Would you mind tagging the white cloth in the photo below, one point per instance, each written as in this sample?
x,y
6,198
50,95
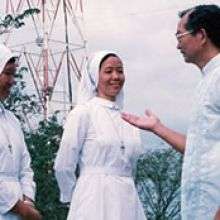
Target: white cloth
x,y
5,56
16,176
201,168
105,189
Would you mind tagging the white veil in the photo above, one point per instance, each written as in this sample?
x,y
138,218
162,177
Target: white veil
x,y
90,78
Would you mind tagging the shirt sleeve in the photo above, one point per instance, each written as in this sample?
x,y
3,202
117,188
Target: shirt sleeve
x,y
28,185
75,130
215,91
26,175
8,196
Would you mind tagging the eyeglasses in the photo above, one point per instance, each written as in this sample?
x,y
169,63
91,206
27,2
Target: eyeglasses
x,y
180,35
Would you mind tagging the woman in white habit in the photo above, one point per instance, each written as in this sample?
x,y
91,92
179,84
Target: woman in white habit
x,y
103,145
17,187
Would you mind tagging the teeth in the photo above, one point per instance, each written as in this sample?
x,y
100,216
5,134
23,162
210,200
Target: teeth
x,y
115,84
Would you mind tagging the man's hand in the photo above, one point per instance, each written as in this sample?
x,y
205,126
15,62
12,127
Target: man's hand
x,y
26,212
151,122
147,122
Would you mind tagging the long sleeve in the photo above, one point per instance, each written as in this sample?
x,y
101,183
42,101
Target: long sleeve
x,y
28,185
8,196
215,91
68,154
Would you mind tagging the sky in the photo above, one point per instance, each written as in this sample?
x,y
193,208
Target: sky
x,y
142,32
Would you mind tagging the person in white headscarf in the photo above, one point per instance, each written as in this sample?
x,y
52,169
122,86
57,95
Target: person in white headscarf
x,y
103,146
17,188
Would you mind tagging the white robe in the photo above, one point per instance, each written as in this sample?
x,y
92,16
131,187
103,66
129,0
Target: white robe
x,y
16,176
105,189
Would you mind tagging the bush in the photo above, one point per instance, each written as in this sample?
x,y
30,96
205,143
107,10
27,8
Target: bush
x,y
158,180
43,145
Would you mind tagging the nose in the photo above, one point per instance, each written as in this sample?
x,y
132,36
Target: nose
x,y
178,46
115,74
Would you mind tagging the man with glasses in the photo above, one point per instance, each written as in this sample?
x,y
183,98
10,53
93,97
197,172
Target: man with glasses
x,y
198,36
17,188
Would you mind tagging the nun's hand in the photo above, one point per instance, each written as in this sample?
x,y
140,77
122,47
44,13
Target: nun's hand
x,y
26,212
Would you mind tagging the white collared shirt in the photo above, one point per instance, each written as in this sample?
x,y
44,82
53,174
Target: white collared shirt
x,y
201,168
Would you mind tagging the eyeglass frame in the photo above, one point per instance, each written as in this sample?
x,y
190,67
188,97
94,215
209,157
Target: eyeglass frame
x,y
180,35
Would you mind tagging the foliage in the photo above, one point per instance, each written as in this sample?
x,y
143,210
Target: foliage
x,y
24,106
43,145
158,179
10,21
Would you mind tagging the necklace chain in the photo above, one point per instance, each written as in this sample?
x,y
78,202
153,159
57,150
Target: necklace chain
x,y
117,131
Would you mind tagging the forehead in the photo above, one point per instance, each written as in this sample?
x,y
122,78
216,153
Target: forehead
x,y
182,23
10,67
112,61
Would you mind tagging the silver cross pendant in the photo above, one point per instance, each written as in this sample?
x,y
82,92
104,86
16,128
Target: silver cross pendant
x,y
10,148
122,147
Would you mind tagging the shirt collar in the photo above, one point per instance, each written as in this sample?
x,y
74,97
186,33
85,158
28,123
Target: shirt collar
x,y
106,103
211,65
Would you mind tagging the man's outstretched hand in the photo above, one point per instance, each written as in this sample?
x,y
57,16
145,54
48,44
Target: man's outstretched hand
x,y
147,122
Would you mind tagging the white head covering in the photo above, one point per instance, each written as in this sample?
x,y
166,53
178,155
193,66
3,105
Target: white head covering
x,y
90,78
5,56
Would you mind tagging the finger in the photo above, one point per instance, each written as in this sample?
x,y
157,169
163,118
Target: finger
x,y
125,115
148,112
128,117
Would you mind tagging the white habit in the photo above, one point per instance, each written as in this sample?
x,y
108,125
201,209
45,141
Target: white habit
x,y
105,189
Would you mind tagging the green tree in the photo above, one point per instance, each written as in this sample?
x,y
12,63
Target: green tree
x,y
158,179
43,145
10,21
25,106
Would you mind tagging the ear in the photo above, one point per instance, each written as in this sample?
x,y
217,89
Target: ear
x,y
203,36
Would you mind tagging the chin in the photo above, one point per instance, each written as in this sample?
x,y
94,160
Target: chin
x,y
5,95
187,60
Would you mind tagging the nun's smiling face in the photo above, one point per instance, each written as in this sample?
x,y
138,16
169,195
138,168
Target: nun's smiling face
x,y
111,78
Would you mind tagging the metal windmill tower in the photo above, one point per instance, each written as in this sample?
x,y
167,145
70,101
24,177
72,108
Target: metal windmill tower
x,y
53,48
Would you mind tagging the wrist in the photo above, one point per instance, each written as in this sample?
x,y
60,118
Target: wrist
x,y
156,129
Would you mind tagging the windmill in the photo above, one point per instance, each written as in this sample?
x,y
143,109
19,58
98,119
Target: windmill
x,y
53,47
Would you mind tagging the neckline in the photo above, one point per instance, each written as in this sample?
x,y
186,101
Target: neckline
x,y
211,65
106,103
